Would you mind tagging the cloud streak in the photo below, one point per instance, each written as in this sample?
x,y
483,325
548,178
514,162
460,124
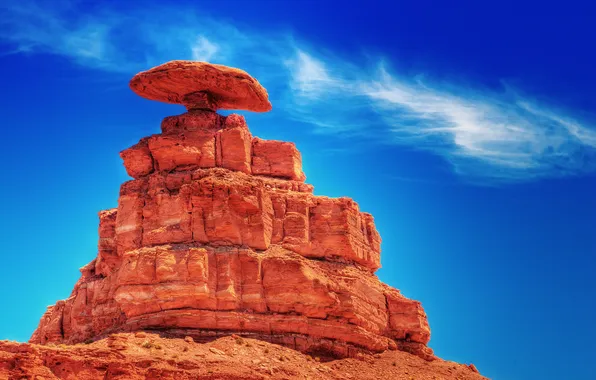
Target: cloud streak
x,y
487,136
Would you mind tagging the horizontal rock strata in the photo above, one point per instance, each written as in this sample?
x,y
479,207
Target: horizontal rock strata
x,y
218,234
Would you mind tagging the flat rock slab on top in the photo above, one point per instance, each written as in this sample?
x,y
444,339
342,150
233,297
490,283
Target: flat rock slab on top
x,y
201,85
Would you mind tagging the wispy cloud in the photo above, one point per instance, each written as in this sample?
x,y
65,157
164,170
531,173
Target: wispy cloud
x,y
203,49
487,136
482,134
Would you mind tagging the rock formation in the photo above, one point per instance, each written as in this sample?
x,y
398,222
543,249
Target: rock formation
x,y
218,234
140,355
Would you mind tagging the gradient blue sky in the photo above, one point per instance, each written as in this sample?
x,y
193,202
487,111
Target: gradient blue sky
x,y
468,130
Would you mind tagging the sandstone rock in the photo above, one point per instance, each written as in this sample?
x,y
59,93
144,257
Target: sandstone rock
x,y
172,152
222,208
171,257
137,159
191,122
192,289
108,259
407,319
230,213
339,230
203,139
129,218
277,159
218,234
234,145
216,351
50,325
153,356
201,85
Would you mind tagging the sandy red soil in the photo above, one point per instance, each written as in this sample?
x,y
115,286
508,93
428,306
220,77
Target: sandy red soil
x,y
149,356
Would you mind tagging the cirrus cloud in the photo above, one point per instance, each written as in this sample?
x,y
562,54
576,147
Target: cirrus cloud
x,y
486,136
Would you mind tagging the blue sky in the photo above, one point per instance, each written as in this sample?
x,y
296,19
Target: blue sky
x,y
468,130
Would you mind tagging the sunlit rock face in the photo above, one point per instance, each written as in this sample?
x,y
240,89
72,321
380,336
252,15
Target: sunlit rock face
x,y
217,234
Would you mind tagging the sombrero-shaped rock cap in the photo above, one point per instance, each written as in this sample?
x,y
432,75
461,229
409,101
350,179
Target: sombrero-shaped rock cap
x,y
202,85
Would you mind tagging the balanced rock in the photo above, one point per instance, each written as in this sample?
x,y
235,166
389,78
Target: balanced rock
x,y
201,85
218,234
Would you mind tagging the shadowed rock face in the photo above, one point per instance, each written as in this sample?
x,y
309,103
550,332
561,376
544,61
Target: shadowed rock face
x,y
218,234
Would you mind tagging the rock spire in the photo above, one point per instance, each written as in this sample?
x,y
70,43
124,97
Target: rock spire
x,y
217,234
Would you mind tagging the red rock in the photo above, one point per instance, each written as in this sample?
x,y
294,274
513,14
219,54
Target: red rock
x,y
277,159
188,140
137,159
218,234
191,122
50,325
230,214
174,152
234,145
171,257
108,259
339,229
201,85
193,287
146,355
166,217
203,139
407,319
223,209
129,219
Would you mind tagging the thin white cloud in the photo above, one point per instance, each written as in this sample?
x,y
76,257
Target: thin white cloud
x,y
203,49
309,76
86,43
486,136
496,137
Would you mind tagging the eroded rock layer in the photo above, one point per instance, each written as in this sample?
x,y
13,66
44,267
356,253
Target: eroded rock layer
x,y
217,234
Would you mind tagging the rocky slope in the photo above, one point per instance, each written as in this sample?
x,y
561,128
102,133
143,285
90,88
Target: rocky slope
x,y
133,356
218,234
